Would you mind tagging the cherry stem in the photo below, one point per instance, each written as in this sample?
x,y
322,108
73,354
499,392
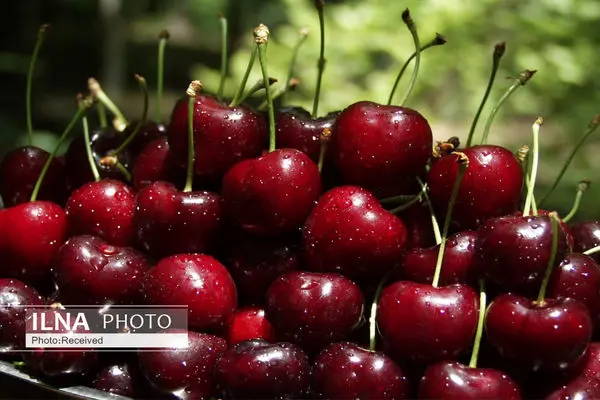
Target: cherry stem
x,y
320,4
434,223
591,251
413,31
144,88
163,38
240,92
224,57
325,136
102,115
582,187
542,293
480,321
520,81
88,149
98,93
192,92
373,314
279,93
534,167
302,35
589,130
261,38
401,198
83,106
499,50
463,164
36,51
259,85
438,40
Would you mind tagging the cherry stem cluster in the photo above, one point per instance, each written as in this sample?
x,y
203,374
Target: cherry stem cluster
x,y
101,96
163,38
302,35
534,167
582,187
261,38
407,19
237,98
480,323
144,88
320,4
224,56
259,85
41,36
553,250
192,92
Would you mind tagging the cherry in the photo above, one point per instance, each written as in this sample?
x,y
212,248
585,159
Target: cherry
x,y
256,369
490,188
88,270
426,324
148,132
155,163
15,296
453,380
552,334
313,309
249,323
185,372
417,220
123,379
458,265
345,370
20,170
104,209
197,280
585,383
586,235
349,232
168,221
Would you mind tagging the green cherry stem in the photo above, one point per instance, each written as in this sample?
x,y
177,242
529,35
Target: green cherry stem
x,y
438,40
279,93
434,223
261,38
224,56
240,92
521,80
83,106
88,149
591,251
499,50
97,92
259,85
463,164
373,314
102,115
36,51
407,19
302,35
163,38
325,136
542,293
320,5
589,130
192,91
480,322
582,187
534,166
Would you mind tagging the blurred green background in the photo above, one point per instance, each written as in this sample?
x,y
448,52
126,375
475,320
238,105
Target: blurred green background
x,y
366,44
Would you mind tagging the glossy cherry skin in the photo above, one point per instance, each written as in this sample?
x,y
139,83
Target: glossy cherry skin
x,y
348,232
14,297
578,277
249,323
313,309
256,369
417,221
87,270
458,265
197,280
585,383
586,235
168,221
148,132
156,163
223,135
296,129
425,324
453,380
20,170
491,186
553,335
30,235
381,148
272,194
124,379
347,371
189,372
514,251
104,209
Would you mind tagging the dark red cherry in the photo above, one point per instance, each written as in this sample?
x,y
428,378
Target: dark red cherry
x,y
455,381
586,235
185,372
585,382
124,379
421,323
272,194
552,335
88,270
347,371
20,170
197,280
491,186
149,132
223,135
249,323
256,369
417,220
104,209
381,148
14,297
313,309
155,163
349,232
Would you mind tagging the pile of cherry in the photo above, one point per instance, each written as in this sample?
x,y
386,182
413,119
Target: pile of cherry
x,y
308,252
